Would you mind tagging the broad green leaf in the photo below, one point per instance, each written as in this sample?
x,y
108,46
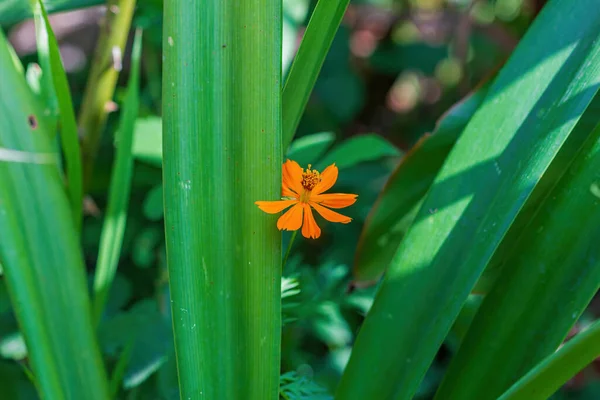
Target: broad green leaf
x,y
556,369
308,149
397,204
551,176
13,11
527,116
222,152
549,277
49,55
113,230
39,251
319,34
357,149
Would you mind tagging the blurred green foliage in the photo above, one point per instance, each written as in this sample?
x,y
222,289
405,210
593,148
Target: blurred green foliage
x,y
394,68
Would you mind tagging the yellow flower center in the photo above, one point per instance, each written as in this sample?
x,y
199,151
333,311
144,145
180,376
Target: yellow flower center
x,y
310,178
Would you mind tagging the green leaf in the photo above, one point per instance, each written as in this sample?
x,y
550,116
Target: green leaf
x,y
111,239
153,203
147,140
144,332
39,251
308,149
319,34
358,149
557,257
294,386
13,11
14,382
294,16
556,369
49,55
527,116
398,203
222,152
102,79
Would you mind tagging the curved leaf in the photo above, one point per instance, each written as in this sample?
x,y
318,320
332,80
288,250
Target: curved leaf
x,y
396,206
527,116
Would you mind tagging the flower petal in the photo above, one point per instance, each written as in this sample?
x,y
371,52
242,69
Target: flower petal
x,y
328,178
287,192
292,176
273,207
329,215
310,229
334,200
291,220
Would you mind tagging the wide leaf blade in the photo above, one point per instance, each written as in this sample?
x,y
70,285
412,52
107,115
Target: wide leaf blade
x,y
395,208
222,152
528,114
39,251
547,281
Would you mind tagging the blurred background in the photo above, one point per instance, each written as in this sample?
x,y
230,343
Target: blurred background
x,y
395,67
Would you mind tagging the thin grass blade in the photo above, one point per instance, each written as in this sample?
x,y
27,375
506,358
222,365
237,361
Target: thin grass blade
x,y
50,54
556,369
111,238
102,80
319,34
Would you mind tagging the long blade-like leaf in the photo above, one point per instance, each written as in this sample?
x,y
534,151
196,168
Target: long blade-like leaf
x,y
48,50
547,281
222,152
102,80
319,34
113,230
406,186
528,114
549,375
39,251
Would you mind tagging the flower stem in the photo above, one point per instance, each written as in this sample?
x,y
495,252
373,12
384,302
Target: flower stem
x,y
289,249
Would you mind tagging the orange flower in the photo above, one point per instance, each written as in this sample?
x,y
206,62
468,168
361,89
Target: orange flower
x,y
303,189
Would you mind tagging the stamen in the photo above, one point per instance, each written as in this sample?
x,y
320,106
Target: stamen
x,y
310,178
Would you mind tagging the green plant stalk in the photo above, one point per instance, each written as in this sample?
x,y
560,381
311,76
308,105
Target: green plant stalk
x,y
547,282
50,55
556,369
222,152
111,238
484,183
100,87
39,251
319,34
